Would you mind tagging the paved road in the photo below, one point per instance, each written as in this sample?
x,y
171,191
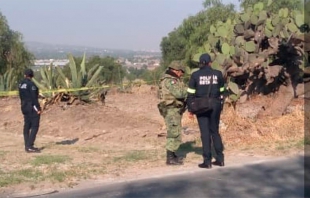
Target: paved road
x,y
278,178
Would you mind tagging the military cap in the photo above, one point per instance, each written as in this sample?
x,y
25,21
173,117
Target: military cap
x,y
28,73
205,58
177,65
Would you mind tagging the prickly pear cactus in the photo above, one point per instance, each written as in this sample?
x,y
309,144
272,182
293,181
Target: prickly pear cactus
x,y
258,51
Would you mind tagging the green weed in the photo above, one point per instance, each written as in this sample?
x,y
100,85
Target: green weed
x,y
57,175
88,149
8,179
133,156
29,173
3,153
50,159
281,147
19,176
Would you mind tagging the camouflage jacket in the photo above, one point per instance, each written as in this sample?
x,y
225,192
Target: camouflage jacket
x,y
172,91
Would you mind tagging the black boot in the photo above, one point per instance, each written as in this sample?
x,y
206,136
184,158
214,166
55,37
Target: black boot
x,y
205,164
172,160
178,158
218,163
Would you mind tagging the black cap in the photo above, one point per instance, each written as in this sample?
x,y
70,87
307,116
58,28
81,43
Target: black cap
x,y
205,58
28,73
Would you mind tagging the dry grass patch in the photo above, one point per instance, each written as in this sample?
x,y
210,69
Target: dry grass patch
x,y
89,149
245,131
238,132
133,156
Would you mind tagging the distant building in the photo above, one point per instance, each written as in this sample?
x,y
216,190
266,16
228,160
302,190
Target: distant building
x,y
48,62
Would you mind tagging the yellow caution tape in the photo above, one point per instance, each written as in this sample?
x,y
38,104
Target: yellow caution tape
x,y
8,93
15,93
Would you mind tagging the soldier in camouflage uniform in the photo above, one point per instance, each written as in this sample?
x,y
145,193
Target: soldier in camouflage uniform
x,y
172,95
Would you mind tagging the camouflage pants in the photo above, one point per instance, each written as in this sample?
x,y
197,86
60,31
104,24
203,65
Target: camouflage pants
x,y
174,129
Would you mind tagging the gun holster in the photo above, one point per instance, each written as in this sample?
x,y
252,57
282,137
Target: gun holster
x,y
183,107
162,109
182,110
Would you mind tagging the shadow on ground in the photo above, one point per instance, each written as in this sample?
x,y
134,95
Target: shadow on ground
x,y
68,142
189,147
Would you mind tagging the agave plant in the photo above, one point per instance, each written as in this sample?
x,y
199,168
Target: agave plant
x,y
7,80
80,79
80,84
49,80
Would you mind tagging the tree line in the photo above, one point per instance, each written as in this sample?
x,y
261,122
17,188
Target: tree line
x,y
15,58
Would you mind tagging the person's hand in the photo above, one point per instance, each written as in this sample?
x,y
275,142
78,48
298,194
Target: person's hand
x,y
190,115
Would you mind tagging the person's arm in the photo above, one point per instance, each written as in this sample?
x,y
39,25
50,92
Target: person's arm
x,y
221,83
175,88
19,93
222,89
34,98
191,91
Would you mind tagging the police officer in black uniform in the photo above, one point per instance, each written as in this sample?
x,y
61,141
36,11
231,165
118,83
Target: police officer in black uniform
x,y
28,93
208,122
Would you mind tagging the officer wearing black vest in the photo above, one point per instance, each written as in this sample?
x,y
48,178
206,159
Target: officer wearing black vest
x,y
30,107
198,86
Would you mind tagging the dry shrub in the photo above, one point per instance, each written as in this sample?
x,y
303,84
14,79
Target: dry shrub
x,y
244,131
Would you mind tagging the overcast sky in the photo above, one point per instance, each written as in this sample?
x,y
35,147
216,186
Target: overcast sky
x,y
117,24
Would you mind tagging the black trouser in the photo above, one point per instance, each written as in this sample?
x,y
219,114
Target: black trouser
x,y
209,129
31,127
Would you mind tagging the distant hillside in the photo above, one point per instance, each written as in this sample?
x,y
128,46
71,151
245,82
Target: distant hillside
x,y
51,51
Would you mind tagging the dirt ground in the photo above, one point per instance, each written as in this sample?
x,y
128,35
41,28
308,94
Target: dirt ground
x,y
125,139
